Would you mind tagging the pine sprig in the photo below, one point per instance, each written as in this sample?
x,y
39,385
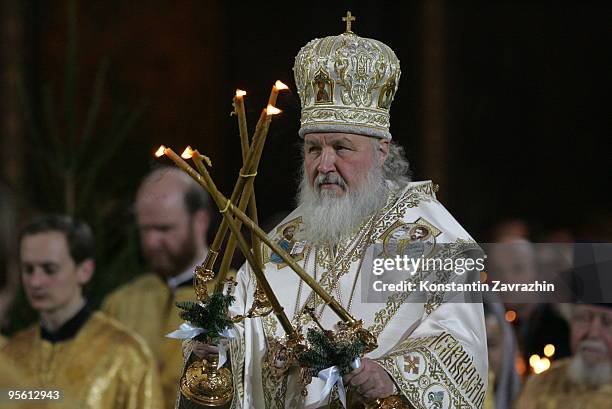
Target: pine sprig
x,y
210,315
324,352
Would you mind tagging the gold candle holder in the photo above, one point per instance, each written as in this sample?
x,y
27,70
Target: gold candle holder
x,y
203,383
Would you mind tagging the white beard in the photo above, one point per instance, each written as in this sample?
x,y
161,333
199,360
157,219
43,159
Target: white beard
x,y
593,375
329,218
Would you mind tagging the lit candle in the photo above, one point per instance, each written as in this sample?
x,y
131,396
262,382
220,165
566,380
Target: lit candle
x,y
270,111
187,153
175,158
160,151
242,123
276,88
198,158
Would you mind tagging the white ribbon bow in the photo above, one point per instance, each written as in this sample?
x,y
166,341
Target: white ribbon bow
x,y
188,331
226,333
185,331
331,376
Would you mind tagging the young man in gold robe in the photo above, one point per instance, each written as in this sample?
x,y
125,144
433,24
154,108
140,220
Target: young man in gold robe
x,y
91,360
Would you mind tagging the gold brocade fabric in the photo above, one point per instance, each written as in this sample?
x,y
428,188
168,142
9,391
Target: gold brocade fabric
x,y
554,390
12,379
102,367
147,306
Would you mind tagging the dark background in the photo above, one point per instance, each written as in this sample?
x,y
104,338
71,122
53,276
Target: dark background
x,y
504,104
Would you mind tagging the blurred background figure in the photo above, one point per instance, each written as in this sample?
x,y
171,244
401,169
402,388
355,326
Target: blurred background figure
x,y
173,216
90,358
9,273
504,381
555,257
585,379
536,325
510,229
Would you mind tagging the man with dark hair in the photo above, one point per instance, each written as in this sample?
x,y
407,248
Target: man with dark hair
x,y
172,212
90,358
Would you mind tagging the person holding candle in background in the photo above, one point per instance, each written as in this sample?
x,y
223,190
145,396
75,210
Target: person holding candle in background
x,y
355,193
93,361
173,217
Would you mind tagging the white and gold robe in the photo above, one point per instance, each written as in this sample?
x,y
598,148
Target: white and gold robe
x,y
435,352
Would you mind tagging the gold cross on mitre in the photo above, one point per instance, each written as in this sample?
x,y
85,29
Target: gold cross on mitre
x,y
349,19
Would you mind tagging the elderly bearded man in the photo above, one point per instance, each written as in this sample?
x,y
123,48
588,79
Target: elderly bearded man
x,y
355,200
585,380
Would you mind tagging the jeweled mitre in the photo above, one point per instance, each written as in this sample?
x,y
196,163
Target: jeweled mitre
x,y
346,84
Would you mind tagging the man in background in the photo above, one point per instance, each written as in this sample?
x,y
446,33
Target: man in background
x,y
88,358
172,213
514,261
585,379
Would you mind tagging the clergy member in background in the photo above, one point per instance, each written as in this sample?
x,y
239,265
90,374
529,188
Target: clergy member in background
x,y
585,380
93,361
172,212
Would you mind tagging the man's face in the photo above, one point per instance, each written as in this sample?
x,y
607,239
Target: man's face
x,y
166,230
591,333
289,232
50,277
337,162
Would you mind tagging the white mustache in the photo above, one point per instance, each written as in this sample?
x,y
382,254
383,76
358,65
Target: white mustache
x,y
332,178
596,344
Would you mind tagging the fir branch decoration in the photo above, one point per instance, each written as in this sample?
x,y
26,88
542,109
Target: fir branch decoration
x,y
324,351
211,315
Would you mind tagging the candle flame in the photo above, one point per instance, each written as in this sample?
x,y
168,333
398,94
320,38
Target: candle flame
x,y
272,110
549,350
539,365
161,151
187,153
280,86
510,316
240,93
